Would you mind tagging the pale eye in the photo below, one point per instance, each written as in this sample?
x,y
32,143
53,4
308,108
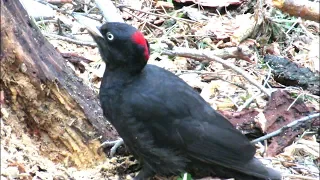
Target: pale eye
x,y
110,36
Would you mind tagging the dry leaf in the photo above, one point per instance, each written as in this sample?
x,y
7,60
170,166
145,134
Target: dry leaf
x,y
164,4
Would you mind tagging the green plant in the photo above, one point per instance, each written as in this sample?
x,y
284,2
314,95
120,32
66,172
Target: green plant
x,y
185,176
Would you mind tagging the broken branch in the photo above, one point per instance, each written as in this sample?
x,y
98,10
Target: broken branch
x,y
290,125
206,55
55,36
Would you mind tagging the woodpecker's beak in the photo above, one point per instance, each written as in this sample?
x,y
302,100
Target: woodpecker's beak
x,y
94,31
99,39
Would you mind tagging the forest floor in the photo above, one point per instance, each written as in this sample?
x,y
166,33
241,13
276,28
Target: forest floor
x,y
275,49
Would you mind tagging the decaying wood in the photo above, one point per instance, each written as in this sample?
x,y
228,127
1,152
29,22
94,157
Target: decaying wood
x,y
301,8
43,93
289,73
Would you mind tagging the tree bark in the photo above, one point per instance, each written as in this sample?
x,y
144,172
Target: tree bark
x,y
45,96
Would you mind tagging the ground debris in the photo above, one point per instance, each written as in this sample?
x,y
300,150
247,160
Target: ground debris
x,y
21,159
210,29
244,121
290,74
281,110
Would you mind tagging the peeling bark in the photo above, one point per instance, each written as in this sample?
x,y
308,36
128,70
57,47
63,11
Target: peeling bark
x,y
44,94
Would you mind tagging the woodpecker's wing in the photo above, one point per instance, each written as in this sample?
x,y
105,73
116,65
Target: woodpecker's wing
x,y
179,118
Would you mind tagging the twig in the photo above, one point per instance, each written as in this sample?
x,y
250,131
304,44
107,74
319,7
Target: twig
x,y
299,90
180,72
46,21
90,44
159,15
233,101
144,20
203,55
265,147
290,125
230,52
109,11
88,16
294,101
235,52
269,74
292,26
309,34
248,102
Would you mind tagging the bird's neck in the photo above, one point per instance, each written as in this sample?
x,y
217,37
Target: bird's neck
x,y
116,78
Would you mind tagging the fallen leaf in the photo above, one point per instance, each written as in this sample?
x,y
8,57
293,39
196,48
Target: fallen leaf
x,y
164,4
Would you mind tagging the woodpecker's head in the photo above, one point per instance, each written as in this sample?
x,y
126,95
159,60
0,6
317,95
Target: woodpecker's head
x,y
122,46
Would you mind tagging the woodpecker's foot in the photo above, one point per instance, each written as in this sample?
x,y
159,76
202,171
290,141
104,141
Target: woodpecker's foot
x,y
115,145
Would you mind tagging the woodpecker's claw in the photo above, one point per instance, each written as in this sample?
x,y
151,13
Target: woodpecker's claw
x,y
115,145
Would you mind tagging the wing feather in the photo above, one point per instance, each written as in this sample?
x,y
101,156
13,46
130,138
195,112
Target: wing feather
x,y
184,121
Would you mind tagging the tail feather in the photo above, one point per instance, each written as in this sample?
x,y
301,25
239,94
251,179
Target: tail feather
x,y
257,169
252,170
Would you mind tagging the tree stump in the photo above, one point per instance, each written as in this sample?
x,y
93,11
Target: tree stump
x,y
42,96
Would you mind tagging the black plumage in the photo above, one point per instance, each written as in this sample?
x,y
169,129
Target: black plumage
x,y
164,123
